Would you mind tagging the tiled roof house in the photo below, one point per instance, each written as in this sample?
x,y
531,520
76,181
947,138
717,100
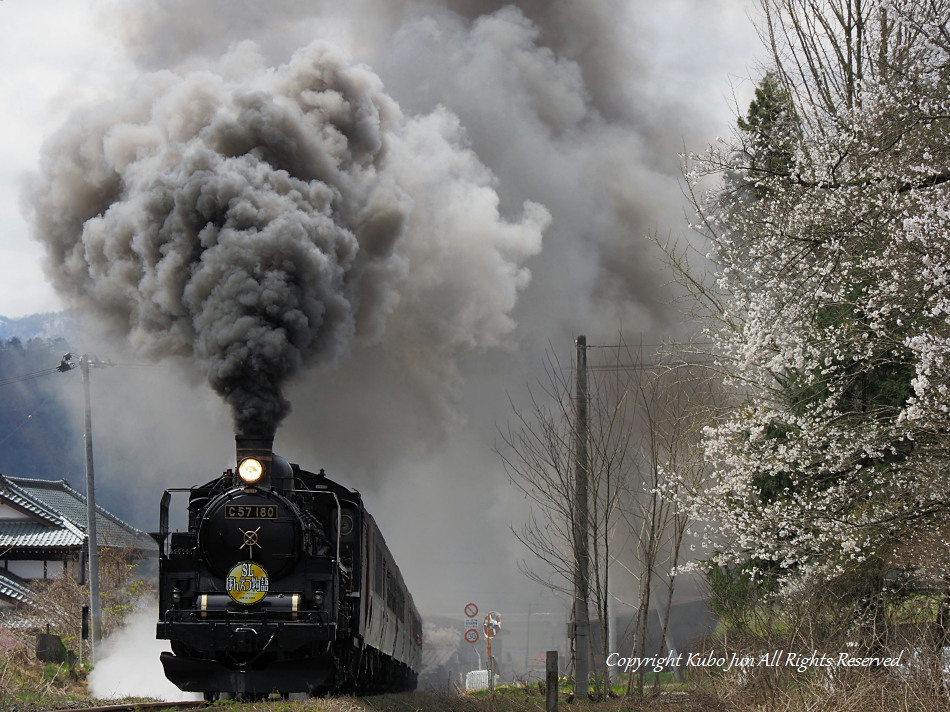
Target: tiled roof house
x,y
43,535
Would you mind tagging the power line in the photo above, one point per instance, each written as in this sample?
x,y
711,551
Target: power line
x,y
64,366
644,366
646,346
17,428
11,380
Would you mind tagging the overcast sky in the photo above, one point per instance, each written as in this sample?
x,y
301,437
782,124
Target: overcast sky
x,y
53,57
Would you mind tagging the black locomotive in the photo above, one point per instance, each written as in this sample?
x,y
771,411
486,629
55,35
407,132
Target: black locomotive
x,y
283,584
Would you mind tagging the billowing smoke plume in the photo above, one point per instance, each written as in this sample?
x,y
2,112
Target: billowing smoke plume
x,y
581,107
258,220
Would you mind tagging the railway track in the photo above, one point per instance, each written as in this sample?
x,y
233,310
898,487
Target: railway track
x,y
142,707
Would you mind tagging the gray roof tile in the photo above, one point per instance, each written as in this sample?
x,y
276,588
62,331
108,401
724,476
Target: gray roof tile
x,y
61,506
14,588
35,535
18,500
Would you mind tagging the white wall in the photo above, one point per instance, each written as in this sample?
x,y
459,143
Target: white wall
x,y
33,569
12,513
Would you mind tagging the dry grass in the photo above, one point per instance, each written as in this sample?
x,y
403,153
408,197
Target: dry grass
x,y
878,695
847,690
409,702
26,684
855,691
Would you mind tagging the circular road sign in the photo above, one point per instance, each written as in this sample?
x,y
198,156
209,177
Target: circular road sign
x,y
471,635
471,610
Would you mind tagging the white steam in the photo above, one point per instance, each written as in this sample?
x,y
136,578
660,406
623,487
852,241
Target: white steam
x,y
129,665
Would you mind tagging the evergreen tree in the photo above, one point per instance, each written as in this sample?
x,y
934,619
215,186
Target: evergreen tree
x,y
768,138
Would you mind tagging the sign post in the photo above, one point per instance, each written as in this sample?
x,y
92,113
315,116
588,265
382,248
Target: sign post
x,y
471,634
491,627
550,668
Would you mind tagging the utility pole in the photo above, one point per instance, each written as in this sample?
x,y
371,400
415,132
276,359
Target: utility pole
x,y
581,549
92,541
95,612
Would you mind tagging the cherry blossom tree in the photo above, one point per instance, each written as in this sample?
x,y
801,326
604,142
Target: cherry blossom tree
x,y
829,240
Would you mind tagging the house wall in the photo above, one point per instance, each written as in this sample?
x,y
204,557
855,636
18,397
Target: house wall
x,y
33,569
12,514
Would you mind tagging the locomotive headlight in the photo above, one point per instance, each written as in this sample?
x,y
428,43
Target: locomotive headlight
x,y
250,470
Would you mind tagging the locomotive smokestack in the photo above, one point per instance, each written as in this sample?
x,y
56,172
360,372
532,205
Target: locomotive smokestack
x,y
256,445
274,472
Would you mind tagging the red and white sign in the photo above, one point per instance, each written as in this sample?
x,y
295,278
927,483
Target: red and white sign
x,y
471,610
492,624
471,635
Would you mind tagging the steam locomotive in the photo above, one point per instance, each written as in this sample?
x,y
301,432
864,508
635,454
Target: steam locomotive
x,y
283,584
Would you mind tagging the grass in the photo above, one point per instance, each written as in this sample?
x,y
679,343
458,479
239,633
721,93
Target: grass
x,y
27,686
24,681
805,697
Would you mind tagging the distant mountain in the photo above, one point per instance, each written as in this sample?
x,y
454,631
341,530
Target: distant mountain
x,y
53,325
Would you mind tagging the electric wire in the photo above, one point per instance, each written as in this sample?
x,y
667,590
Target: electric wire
x,y
17,428
23,377
642,365
10,380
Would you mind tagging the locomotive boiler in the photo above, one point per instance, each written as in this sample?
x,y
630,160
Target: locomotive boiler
x,y
282,583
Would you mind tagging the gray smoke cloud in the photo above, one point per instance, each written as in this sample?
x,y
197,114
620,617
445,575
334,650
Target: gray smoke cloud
x,y
487,111
258,220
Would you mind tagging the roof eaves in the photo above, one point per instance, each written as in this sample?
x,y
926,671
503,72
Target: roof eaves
x,y
100,511
24,501
15,588
69,519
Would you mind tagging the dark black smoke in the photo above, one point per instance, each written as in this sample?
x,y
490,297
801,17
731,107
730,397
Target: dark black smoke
x,y
250,217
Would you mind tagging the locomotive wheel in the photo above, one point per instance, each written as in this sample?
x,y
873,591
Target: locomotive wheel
x,y
215,696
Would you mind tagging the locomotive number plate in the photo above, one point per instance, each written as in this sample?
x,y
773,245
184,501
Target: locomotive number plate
x,y
250,511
